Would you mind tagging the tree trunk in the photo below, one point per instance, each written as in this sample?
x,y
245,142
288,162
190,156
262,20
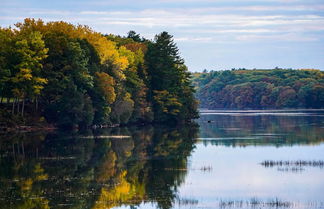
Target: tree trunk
x,y
36,99
23,149
13,151
13,107
18,149
1,100
17,106
23,107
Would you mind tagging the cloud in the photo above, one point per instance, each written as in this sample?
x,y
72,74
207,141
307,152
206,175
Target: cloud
x,y
287,37
193,39
206,29
113,13
257,22
49,12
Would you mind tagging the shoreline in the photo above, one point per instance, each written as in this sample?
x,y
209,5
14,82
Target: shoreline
x,y
50,128
26,129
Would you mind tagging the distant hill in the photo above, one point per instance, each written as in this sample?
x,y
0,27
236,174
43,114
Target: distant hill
x,y
260,89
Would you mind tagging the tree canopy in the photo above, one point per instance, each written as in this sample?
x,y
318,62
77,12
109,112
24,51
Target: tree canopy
x,y
74,76
277,88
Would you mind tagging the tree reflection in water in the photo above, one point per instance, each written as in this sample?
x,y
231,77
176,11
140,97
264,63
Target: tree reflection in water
x,y
261,130
90,170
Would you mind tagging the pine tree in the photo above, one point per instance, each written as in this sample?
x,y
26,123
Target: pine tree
x,y
170,87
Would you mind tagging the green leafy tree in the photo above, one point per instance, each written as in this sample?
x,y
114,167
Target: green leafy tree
x,y
6,50
29,51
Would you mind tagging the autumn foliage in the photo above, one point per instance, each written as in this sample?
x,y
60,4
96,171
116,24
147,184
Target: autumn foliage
x,y
74,76
261,89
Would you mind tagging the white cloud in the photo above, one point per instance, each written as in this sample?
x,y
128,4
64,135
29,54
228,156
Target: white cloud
x,y
49,12
288,37
194,39
114,13
199,22
235,26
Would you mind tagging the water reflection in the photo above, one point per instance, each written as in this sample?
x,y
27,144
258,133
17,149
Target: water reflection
x,y
244,130
230,162
60,170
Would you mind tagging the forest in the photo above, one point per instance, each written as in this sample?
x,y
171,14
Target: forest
x,y
71,76
260,89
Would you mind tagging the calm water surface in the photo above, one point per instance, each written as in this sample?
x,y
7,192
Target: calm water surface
x,y
234,159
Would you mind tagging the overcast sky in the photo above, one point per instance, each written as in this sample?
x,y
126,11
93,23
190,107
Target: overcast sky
x,y
211,34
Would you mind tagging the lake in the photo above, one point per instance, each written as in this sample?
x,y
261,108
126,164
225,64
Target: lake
x,y
229,159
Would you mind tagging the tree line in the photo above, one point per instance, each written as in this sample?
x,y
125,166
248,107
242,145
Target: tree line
x,y
70,75
261,89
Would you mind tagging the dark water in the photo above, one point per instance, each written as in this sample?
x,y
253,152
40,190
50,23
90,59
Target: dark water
x,y
234,160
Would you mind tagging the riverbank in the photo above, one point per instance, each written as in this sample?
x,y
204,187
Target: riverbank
x,y
30,123
27,123
4,130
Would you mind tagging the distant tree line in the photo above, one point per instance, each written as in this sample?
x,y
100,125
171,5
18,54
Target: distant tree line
x,y
262,89
73,76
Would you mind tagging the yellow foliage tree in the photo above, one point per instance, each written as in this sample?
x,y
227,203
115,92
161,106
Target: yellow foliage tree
x,y
106,85
30,51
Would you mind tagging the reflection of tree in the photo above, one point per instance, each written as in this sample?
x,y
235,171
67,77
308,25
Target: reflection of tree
x,y
166,171
147,167
262,130
69,171
21,175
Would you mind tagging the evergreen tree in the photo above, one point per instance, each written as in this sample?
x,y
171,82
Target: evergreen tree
x,y
169,84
